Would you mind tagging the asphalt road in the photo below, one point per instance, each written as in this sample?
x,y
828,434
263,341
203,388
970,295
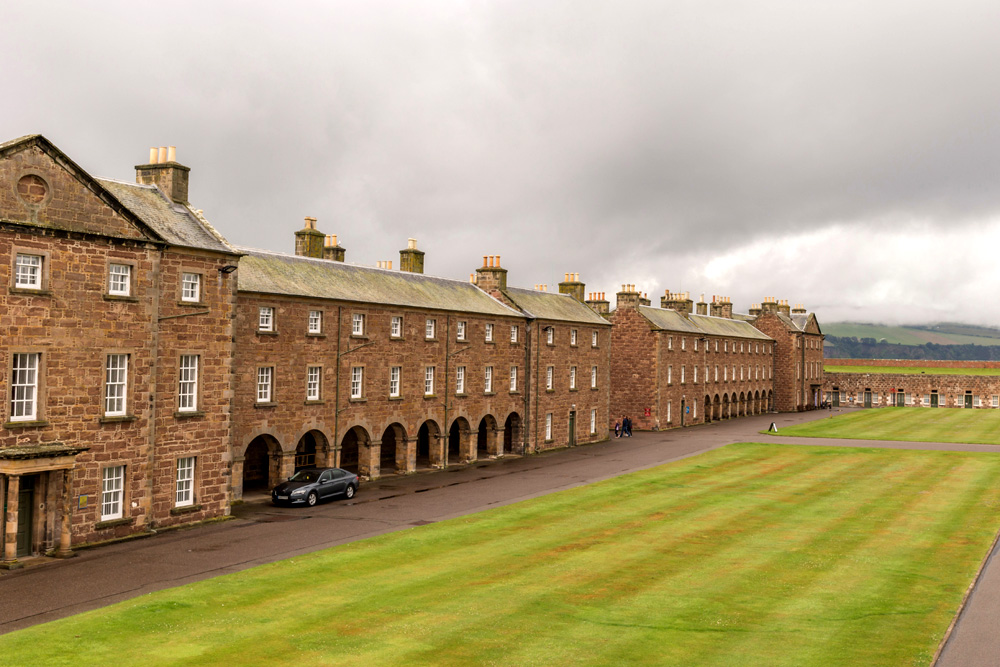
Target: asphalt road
x,y
261,533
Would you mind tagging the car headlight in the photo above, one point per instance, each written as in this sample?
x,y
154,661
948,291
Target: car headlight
x,y
299,492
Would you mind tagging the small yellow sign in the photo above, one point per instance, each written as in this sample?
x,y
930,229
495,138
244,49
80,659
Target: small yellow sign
x,y
83,502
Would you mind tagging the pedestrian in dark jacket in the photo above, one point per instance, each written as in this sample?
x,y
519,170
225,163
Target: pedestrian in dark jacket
x,y
617,426
627,427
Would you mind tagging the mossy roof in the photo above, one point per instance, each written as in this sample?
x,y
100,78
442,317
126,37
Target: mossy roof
x,y
553,306
267,272
664,319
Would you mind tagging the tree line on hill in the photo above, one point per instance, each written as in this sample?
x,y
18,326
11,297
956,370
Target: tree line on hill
x,y
852,347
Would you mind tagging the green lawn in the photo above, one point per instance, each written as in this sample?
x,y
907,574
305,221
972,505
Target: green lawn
x,y
910,370
913,424
751,554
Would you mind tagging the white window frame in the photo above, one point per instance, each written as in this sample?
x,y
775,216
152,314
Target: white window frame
x,y
429,381
995,401
460,379
593,339
395,373
265,318
25,371
184,488
572,337
265,383
593,377
357,381
489,332
460,330
593,421
28,271
572,377
191,287
548,426
315,321
488,380
187,391
396,326
357,324
670,342
112,492
549,377
683,343
120,279
694,378
670,374
430,329
513,378
115,385
550,336
513,333
314,379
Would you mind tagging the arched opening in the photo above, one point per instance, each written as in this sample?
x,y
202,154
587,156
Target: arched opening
x,y
428,434
756,402
350,449
393,439
486,437
717,408
770,401
261,463
742,412
511,433
305,452
725,406
458,436
708,409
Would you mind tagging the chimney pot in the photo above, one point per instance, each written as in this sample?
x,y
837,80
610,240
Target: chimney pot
x,y
171,153
152,155
484,261
411,244
161,155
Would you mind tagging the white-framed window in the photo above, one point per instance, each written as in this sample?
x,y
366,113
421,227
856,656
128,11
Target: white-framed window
x,y
488,380
695,377
184,495
513,333
429,381
313,375
682,372
357,381
549,373
995,401
24,387
593,377
694,409
593,339
670,342
593,421
977,402
670,374
548,426
683,343
358,324
430,328
191,287
265,378
394,375
550,335
572,337
572,377
925,400
734,372
115,384
741,347
265,318
396,326
460,380
315,321
716,346
28,271
120,279
489,333
725,373
187,392
112,486
668,412
725,346
460,330
513,378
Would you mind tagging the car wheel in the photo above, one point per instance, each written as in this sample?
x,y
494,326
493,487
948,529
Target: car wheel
x,y
311,498
349,493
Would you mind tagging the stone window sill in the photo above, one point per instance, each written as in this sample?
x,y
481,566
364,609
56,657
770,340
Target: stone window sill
x,y
431,340
460,394
489,393
395,398
121,297
192,304
265,404
397,338
189,413
514,392
316,402
573,389
186,509
360,399
266,333
113,523
29,290
26,424
313,334
550,391
430,396
116,419
359,336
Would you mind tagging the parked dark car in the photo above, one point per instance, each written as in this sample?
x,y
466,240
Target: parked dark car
x,y
310,485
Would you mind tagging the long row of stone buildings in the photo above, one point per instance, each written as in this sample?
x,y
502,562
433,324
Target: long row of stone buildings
x,y
152,371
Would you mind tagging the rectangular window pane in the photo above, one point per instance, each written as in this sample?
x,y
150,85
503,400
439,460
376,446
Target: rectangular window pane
x,y
394,373
358,325
572,377
185,482
265,320
513,378
460,380
28,271
190,287
548,378
572,336
548,426
312,383
120,279
593,421
115,384
111,492
460,331
315,321
264,377
429,329
593,377
24,387
488,387
489,333
396,330
187,395
357,379
513,334
429,381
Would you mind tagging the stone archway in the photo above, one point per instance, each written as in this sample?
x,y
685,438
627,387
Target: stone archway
x,y
310,452
512,433
393,450
428,445
261,464
486,438
354,451
742,411
708,409
459,446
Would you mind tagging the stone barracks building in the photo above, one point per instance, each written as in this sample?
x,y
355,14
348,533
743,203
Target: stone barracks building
x,y
895,388
151,372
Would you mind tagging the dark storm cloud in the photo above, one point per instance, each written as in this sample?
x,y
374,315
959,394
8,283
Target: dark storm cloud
x,y
630,142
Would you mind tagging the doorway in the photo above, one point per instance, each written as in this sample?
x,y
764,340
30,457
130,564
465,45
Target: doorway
x,y
25,516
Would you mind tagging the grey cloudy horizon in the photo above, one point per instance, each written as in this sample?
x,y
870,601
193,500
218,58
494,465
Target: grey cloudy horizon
x,y
840,155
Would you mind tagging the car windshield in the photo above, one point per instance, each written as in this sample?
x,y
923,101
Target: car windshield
x,y
305,476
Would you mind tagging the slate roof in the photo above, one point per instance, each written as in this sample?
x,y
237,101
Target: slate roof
x,y
553,306
671,320
277,273
174,223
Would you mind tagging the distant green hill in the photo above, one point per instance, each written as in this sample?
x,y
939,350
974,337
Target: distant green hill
x,y
947,333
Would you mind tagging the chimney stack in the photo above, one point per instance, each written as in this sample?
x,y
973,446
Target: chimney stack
x,y
679,301
411,260
309,240
572,286
627,298
164,172
799,309
598,303
755,310
722,306
332,250
784,308
490,277
702,307
769,305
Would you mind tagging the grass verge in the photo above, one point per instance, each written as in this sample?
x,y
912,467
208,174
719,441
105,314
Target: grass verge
x,y
910,370
751,554
908,424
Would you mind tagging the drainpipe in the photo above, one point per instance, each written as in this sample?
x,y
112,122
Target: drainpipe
x,y
447,347
527,387
336,397
153,377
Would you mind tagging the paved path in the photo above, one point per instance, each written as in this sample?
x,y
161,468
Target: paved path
x,y
262,534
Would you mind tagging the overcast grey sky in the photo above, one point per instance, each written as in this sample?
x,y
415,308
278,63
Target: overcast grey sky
x,y
839,154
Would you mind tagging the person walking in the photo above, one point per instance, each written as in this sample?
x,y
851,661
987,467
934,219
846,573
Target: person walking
x,y
627,426
617,426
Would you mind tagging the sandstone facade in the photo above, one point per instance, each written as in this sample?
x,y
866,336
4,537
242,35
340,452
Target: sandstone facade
x,y
913,389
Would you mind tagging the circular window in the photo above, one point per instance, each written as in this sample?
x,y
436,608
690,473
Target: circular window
x,y
32,189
